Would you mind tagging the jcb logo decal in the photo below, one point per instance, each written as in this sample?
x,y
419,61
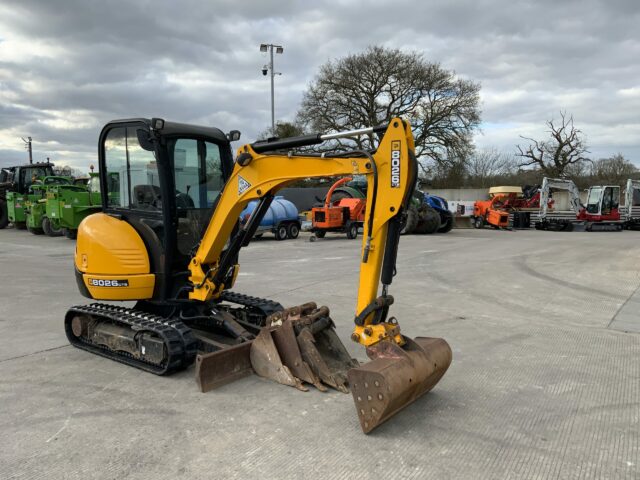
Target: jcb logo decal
x,y
395,164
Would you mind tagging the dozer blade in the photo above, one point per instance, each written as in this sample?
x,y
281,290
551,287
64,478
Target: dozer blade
x,y
223,366
396,377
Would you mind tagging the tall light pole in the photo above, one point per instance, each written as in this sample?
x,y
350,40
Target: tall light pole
x,y
27,145
268,47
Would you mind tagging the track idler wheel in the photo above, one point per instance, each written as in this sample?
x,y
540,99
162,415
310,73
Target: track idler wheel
x,y
396,377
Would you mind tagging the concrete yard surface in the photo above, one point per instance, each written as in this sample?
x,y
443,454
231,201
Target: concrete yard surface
x,y
542,384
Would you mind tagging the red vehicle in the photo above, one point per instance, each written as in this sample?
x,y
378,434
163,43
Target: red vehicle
x,y
602,209
344,216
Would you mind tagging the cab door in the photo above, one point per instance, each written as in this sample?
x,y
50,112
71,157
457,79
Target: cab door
x,y
610,200
133,184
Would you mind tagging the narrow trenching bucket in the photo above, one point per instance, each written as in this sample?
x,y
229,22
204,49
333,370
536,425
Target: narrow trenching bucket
x,y
301,345
396,377
267,362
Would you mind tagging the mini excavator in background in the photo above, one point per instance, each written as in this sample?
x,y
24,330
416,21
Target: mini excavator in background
x,y
169,239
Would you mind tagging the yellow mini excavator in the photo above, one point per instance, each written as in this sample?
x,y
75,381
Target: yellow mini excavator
x,y
169,239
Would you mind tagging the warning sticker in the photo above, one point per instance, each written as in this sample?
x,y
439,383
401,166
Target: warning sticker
x,y
243,185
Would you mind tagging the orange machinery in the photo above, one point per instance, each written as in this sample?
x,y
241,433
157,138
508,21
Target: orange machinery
x,y
495,211
345,215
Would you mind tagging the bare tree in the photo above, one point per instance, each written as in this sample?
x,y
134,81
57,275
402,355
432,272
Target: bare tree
x,y
566,146
370,88
487,165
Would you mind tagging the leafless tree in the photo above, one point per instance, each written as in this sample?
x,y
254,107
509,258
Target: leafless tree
x,y
565,147
370,88
485,166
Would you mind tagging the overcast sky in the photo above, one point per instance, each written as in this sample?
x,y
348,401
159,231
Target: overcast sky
x,y
69,66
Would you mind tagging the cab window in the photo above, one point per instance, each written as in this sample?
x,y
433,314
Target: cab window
x,y
131,172
197,173
198,177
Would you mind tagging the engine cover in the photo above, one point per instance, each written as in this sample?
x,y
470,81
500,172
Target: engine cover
x,y
112,260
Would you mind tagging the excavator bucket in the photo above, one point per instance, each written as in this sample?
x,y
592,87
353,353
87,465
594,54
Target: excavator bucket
x,y
396,377
266,360
300,345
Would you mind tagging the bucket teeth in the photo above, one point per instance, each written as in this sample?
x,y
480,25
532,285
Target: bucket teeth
x,y
396,376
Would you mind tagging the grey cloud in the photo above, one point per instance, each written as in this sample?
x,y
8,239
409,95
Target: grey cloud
x,y
199,62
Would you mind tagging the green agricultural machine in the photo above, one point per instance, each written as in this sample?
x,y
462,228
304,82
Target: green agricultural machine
x,y
36,205
15,183
68,205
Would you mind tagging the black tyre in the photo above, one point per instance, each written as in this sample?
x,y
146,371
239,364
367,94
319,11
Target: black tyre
x,y
20,225
352,231
479,222
320,233
293,230
281,232
429,222
46,226
70,234
49,229
4,214
35,230
569,227
448,225
410,223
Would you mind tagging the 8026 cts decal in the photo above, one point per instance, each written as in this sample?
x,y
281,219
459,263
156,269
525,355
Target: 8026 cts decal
x,y
395,164
98,282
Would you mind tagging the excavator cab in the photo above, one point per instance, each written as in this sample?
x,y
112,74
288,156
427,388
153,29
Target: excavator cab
x,y
164,186
602,211
602,200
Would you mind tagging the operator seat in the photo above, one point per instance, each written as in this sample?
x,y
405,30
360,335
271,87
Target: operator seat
x,y
147,197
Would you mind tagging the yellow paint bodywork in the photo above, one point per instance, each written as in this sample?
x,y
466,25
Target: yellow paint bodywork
x,y
110,249
271,172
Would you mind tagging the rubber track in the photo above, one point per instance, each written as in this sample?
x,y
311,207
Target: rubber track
x,y
180,344
266,306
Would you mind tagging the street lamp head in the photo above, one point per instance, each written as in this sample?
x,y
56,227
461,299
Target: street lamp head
x,y
264,47
279,49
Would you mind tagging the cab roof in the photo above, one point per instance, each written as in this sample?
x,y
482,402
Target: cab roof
x,y
180,129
